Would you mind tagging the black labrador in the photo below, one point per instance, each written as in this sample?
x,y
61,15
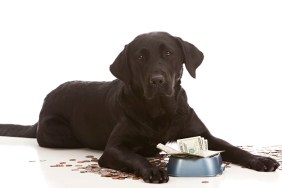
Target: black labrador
x,y
129,116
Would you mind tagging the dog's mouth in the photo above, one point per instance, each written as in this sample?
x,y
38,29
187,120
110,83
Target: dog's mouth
x,y
153,94
164,90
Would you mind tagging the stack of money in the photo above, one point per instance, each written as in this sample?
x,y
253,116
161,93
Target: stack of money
x,y
193,146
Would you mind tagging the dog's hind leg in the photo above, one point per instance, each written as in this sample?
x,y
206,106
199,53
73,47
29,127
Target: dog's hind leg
x,y
55,132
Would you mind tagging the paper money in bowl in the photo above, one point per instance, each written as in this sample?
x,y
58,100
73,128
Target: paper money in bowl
x,y
200,162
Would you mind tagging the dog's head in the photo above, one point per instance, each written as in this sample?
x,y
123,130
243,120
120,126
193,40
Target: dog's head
x,y
152,63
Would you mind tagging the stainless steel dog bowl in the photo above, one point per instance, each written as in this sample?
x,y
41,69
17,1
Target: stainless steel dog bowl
x,y
195,167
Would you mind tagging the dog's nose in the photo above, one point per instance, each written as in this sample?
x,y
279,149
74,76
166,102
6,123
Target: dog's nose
x,y
157,80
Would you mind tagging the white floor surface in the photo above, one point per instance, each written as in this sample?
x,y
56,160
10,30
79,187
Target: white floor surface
x,y
24,164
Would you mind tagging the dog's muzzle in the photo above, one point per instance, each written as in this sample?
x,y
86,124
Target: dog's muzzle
x,y
157,80
158,85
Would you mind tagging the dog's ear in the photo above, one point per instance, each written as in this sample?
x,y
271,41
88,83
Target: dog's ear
x,y
120,68
193,57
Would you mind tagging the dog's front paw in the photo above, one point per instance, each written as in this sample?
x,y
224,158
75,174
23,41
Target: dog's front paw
x,y
260,163
153,175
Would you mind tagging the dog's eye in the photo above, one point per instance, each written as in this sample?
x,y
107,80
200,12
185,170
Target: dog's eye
x,y
167,53
140,57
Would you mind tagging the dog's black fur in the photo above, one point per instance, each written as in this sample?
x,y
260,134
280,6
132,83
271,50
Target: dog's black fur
x,y
129,116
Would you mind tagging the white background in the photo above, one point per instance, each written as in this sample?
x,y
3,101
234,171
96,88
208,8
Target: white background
x,y
237,92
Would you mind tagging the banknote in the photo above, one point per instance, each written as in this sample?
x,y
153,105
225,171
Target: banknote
x,y
193,146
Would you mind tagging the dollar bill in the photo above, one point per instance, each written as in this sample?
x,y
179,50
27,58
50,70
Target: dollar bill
x,y
168,149
193,146
205,145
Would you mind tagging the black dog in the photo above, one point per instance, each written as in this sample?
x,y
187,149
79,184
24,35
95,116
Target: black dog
x,y
129,116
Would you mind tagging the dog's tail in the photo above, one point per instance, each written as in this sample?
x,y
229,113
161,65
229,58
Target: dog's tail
x,y
27,131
